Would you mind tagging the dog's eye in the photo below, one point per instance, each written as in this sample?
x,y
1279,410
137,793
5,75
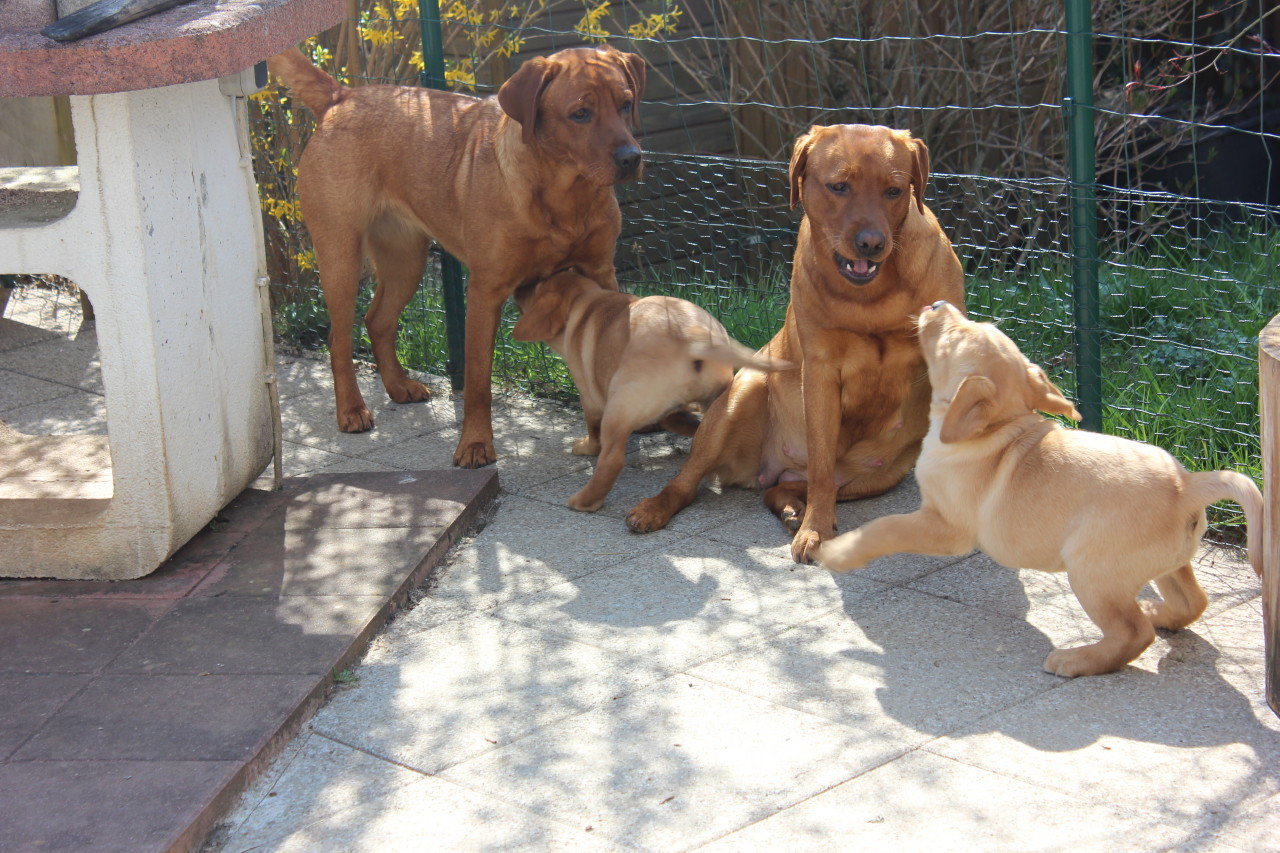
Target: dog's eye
x,y
625,109
839,188
581,115
893,192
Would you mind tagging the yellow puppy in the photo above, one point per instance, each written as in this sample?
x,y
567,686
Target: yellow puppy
x,y
1113,514
635,361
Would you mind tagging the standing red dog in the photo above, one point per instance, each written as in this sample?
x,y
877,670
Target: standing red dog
x,y
515,186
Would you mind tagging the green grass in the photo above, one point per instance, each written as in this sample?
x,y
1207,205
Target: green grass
x,y
1179,339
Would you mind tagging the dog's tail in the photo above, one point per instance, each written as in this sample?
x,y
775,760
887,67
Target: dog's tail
x,y
733,353
1208,487
313,87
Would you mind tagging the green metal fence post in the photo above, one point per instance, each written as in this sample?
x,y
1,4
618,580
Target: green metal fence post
x,y
455,304
1078,107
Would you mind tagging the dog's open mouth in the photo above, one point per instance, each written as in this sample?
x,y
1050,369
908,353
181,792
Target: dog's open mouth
x,y
859,271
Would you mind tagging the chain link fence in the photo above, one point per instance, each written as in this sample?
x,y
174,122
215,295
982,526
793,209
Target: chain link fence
x,y
1186,145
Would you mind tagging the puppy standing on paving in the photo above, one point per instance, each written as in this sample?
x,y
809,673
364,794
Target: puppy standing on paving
x,y
1113,514
515,186
636,361
848,423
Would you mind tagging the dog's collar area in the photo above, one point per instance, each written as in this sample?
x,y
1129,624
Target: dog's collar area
x,y
860,271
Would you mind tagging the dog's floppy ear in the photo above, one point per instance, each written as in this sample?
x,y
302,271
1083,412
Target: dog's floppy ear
x,y
543,318
634,66
970,410
799,159
519,96
919,170
1044,396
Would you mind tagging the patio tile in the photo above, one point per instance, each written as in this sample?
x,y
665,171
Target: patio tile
x,y
672,766
679,611
898,667
242,634
519,553
106,806
475,684
29,701
422,817
174,718
43,635
922,802
1133,726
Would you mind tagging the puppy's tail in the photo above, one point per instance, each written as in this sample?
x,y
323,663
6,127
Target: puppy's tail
x,y
734,354
313,87
1208,487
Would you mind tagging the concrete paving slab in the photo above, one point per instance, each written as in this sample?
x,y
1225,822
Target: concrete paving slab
x,y
108,806
1199,721
529,546
70,361
475,685
899,667
16,327
672,766
17,390
967,809
425,816
693,602
313,779
71,413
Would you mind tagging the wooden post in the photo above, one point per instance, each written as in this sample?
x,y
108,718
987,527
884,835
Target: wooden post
x,y
1269,388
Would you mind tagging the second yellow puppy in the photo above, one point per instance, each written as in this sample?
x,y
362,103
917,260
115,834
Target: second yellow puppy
x,y
636,361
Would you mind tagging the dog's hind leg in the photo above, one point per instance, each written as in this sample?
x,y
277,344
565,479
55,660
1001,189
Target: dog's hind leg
x,y
1126,630
787,501
1184,600
399,255
729,431
615,429
338,260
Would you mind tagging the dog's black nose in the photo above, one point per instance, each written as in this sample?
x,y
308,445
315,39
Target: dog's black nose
x,y
939,303
627,158
870,243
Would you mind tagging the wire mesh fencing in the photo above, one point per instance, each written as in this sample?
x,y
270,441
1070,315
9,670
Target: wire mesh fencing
x,y
1187,179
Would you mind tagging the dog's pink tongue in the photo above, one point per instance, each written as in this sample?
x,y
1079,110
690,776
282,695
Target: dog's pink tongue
x,y
861,267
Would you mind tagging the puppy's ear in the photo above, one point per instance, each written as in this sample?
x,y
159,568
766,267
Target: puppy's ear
x,y
519,96
970,411
919,170
543,319
799,160
1044,396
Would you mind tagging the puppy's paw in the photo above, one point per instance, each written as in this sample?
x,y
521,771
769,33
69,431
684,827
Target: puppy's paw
x,y
804,547
585,504
841,554
647,516
1082,660
355,419
410,391
474,454
586,446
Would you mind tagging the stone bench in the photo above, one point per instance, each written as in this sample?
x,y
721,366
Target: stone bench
x,y
165,236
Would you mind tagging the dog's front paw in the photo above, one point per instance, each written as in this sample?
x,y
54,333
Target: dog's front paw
x,y
474,454
804,547
411,391
647,516
355,419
